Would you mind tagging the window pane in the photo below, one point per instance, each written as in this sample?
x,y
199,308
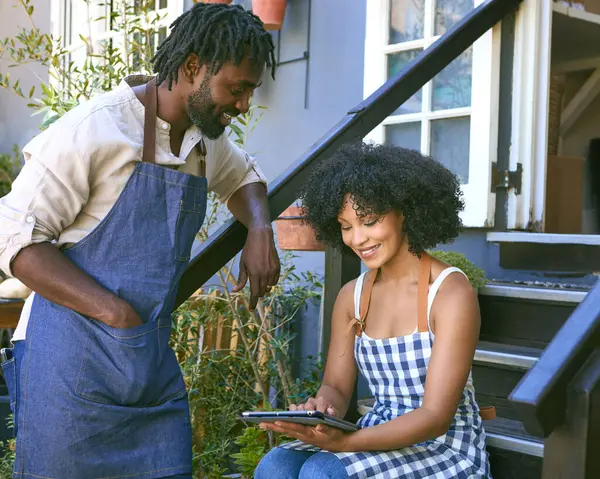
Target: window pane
x,y
163,4
449,12
450,141
452,87
406,135
162,35
406,20
397,62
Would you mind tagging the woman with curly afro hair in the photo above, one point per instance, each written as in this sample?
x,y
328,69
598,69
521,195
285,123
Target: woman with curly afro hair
x,y
410,324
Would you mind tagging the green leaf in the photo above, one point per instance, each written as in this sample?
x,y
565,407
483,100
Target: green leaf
x,y
238,131
31,92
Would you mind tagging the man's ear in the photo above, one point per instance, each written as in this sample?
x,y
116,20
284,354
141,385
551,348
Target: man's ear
x,y
191,68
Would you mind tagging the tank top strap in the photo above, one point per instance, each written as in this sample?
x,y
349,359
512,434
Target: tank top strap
x,y
357,291
435,286
362,300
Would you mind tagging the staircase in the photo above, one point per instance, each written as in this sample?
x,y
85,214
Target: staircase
x,y
517,323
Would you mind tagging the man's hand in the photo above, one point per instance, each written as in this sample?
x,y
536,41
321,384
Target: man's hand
x,y
121,315
259,263
65,284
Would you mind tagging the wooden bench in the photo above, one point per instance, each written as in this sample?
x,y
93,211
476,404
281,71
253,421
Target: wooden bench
x,y
10,311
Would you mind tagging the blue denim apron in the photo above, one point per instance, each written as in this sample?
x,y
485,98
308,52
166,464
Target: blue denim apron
x,y
98,402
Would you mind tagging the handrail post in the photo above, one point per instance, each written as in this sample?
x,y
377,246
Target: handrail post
x,y
340,268
572,450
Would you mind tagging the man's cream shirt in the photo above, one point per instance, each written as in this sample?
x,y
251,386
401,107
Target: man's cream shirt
x,y
76,169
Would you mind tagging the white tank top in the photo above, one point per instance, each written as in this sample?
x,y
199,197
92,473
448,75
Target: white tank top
x,y
433,289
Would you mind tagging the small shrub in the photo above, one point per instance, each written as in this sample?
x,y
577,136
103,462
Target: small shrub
x,y
475,274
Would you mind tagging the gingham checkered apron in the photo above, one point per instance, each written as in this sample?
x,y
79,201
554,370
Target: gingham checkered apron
x,y
396,369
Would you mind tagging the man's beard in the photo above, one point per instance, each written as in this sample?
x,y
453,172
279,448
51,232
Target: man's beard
x,y
202,111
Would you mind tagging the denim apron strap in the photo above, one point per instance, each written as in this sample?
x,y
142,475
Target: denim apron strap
x,y
150,112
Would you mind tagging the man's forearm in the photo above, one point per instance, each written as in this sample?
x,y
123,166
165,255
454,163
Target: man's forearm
x,y
250,206
48,272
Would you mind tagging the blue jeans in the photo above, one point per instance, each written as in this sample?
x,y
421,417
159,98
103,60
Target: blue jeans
x,y
290,464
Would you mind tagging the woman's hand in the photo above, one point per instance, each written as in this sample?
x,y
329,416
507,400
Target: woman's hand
x,y
316,404
328,438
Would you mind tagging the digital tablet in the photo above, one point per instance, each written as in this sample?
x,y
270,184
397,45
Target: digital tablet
x,y
309,418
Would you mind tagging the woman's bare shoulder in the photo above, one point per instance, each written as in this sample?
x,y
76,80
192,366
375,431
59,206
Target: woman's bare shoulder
x,y
456,287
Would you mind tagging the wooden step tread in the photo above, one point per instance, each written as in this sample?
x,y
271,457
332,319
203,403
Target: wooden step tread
x,y
510,435
509,427
506,355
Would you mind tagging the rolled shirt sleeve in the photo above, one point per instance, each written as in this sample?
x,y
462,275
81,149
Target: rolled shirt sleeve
x,y
46,196
234,168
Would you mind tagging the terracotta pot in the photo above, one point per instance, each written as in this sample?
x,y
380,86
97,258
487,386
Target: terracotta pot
x,y
294,234
271,12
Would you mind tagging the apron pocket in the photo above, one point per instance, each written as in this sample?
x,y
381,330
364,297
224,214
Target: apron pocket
x,y
189,222
131,367
9,369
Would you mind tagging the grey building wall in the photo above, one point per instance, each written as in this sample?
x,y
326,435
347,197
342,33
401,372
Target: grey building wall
x,y
17,126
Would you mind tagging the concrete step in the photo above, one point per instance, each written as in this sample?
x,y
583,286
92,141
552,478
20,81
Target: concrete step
x,y
526,316
548,252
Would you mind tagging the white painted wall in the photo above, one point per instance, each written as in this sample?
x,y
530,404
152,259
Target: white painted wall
x,y
16,123
577,142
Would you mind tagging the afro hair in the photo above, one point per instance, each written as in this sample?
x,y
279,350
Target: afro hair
x,y
380,179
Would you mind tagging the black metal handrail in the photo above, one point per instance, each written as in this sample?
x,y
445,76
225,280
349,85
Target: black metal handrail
x,y
225,243
541,395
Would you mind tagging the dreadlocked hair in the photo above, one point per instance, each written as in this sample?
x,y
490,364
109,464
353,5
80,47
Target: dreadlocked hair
x,y
218,34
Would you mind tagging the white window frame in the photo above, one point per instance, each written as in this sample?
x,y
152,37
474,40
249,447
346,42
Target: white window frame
x,y
479,200
530,107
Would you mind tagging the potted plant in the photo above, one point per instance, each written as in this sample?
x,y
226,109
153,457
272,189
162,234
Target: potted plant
x,y
271,12
294,234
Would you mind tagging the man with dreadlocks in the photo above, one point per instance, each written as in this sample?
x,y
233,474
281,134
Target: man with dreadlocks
x,y
100,225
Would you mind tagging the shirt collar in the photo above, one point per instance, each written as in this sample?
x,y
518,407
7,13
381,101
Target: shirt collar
x,y
130,81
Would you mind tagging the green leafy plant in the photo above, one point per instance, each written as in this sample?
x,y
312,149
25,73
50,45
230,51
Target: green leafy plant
x,y
475,274
7,458
235,360
10,164
253,446
105,63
